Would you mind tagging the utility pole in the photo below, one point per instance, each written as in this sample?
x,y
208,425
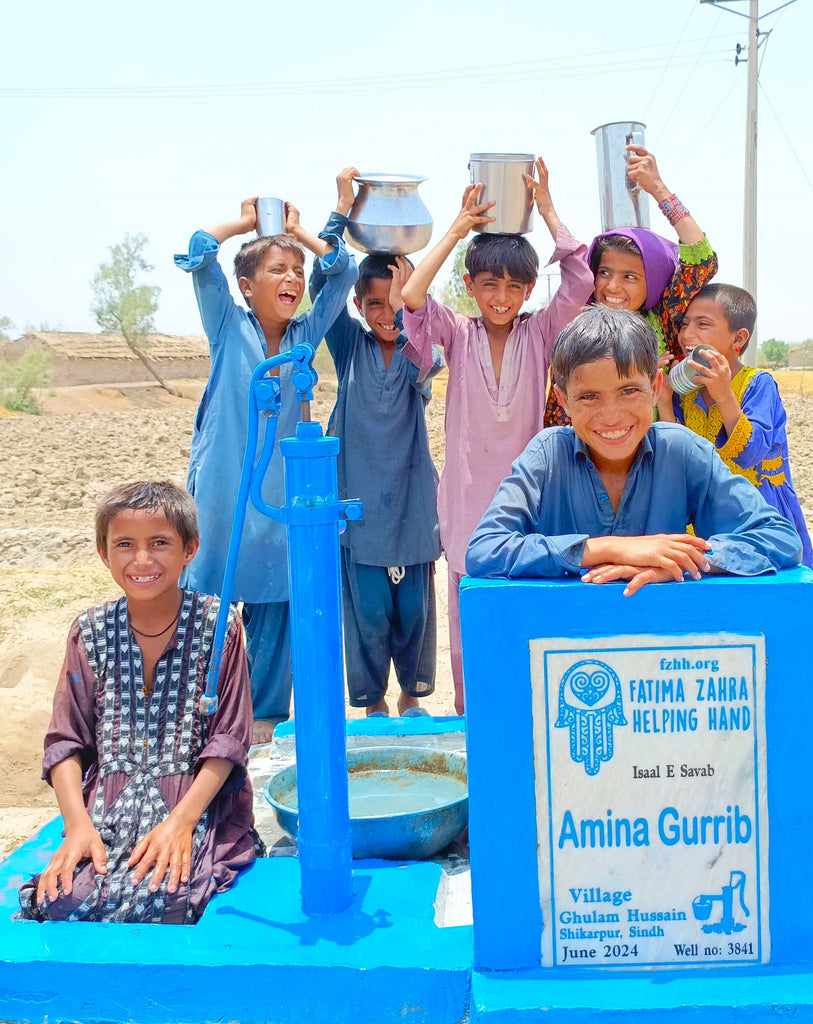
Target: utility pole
x,y
749,230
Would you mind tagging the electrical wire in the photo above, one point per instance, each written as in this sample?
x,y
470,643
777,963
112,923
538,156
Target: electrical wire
x,y
669,62
784,133
584,65
688,152
667,121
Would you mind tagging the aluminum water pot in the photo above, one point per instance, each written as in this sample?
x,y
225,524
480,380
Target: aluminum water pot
x,y
388,215
503,175
623,203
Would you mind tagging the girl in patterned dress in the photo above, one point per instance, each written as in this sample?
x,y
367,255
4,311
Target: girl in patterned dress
x,y
634,268
736,407
154,795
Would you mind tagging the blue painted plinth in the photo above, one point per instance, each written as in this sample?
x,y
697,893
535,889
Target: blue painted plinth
x,y
253,957
671,998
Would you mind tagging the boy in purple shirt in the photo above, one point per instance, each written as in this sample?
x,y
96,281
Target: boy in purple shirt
x,y
498,365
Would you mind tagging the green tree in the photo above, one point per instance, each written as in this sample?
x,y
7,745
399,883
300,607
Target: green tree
x,y
123,305
6,325
18,378
453,294
774,353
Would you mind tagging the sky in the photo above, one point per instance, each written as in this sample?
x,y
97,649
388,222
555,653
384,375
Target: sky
x,y
160,117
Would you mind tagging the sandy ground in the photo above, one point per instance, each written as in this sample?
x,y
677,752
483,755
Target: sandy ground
x,y
54,467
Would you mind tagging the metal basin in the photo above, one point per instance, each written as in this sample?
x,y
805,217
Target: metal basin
x,y
406,803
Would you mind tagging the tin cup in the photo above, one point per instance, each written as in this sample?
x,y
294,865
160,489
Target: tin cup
x,y
270,217
682,378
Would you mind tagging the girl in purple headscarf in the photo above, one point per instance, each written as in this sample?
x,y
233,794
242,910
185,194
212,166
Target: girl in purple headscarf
x,y
636,269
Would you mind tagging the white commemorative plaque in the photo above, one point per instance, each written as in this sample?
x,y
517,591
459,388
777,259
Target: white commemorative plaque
x,y
652,814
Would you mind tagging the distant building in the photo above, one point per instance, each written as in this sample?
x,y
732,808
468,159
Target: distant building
x,y
106,359
800,358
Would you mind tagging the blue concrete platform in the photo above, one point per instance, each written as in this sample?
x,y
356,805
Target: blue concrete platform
x,y
665,997
253,957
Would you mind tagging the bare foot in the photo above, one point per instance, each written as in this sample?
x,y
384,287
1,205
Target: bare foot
x,y
380,707
405,702
263,731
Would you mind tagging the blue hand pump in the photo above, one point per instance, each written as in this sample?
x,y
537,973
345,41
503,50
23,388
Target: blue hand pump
x,y
314,517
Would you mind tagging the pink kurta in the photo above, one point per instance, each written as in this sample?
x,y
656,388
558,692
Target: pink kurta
x,y
488,425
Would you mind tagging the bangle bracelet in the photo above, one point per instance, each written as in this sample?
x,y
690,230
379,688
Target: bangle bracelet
x,y
673,209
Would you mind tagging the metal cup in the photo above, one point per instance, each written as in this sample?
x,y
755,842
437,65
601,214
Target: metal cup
x,y
623,204
270,217
682,378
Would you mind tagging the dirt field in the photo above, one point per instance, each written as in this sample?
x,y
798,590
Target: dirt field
x,y
54,467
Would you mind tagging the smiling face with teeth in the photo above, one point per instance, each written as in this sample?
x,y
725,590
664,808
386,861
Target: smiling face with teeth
x,y
620,281
499,299
146,555
276,288
376,309
609,411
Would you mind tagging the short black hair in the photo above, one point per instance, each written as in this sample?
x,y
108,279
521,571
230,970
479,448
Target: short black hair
x,y
251,254
738,305
499,255
603,333
375,267
177,505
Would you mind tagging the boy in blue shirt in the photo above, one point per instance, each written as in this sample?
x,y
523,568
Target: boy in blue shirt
x,y
271,277
388,558
613,494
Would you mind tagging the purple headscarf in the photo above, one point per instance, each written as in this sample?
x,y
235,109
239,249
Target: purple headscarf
x,y
660,258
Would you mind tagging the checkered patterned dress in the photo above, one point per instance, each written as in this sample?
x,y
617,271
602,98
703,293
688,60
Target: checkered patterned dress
x,y
141,750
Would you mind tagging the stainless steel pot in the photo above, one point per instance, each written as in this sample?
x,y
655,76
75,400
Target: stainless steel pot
x,y
388,215
502,174
623,204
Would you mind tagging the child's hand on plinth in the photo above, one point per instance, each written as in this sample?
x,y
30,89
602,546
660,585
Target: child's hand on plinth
x,y
81,842
167,847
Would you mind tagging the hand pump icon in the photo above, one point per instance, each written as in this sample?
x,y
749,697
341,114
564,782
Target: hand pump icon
x,y
702,906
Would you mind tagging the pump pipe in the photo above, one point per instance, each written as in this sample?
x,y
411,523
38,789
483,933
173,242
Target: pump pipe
x,y
263,396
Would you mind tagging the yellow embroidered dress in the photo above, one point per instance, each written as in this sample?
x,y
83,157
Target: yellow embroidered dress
x,y
758,446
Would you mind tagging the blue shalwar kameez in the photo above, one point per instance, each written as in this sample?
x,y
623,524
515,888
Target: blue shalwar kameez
x,y
237,345
554,500
388,558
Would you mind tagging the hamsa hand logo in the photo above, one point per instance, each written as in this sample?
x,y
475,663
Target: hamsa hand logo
x,y
590,705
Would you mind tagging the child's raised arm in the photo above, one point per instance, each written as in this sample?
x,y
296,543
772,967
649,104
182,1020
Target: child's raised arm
x,y
318,246
472,215
246,223
541,194
644,171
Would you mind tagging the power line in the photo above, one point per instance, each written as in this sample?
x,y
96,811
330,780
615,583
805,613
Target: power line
x,y
585,65
784,133
668,63
688,152
667,122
